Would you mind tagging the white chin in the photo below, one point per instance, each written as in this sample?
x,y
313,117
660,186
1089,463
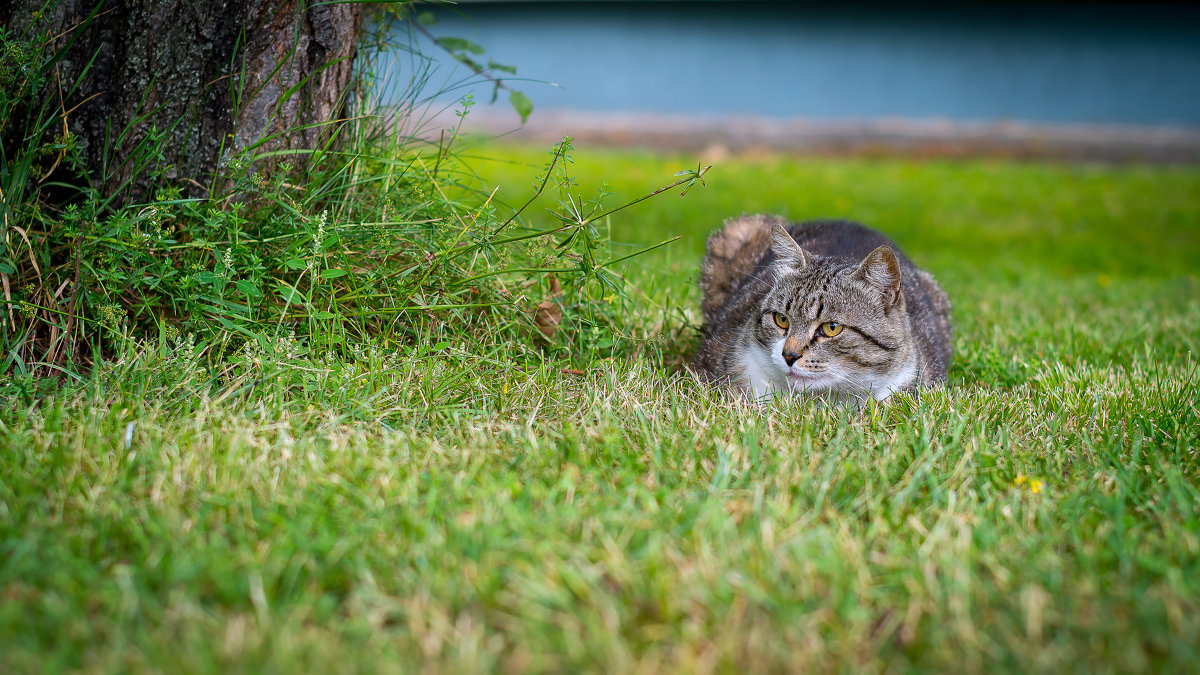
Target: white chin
x,y
813,383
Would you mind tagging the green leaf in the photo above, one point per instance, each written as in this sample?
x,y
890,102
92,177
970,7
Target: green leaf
x,y
207,277
248,288
459,45
323,316
333,273
231,326
290,294
219,303
295,264
5,268
264,342
521,103
470,63
500,67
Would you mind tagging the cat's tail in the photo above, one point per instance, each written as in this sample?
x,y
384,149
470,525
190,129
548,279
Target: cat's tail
x,y
732,253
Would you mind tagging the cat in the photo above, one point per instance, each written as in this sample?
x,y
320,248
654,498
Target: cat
x,y
827,307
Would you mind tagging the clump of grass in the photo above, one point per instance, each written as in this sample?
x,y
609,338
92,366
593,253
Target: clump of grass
x,y
377,236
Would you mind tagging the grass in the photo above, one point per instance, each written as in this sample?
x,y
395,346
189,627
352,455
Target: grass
x,y
464,504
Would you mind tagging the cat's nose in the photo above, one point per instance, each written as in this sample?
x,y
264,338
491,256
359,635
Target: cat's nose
x,y
790,357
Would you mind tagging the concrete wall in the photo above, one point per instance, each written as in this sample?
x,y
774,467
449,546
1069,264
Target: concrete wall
x,y
1122,63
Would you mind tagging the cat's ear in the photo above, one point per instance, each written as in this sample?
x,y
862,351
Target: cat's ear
x,y
786,249
881,270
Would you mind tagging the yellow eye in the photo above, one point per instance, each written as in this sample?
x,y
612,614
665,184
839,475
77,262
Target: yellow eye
x,y
781,320
831,328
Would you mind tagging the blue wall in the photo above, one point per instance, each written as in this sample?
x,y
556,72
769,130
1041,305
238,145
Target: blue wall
x,y
1115,62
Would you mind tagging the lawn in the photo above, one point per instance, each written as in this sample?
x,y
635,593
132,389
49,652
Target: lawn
x,y
459,507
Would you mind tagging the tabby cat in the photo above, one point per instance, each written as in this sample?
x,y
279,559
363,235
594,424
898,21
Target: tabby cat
x,y
824,307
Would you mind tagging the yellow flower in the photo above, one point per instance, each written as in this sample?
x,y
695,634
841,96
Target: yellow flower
x,y
1034,485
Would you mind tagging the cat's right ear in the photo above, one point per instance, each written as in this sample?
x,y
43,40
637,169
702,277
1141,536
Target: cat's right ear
x,y
786,249
881,270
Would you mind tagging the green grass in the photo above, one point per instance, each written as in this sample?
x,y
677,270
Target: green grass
x,y
458,504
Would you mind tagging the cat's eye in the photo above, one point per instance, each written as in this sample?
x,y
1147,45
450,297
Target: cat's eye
x,y
781,320
830,328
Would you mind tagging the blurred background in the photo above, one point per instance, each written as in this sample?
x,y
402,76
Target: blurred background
x,y
1109,80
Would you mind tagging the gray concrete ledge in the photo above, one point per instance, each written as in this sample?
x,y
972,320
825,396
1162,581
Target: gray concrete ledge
x,y
871,137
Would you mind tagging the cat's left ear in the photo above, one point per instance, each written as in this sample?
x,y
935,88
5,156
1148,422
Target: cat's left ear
x,y
786,249
881,270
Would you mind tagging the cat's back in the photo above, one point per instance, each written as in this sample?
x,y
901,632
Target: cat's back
x,y
840,239
742,247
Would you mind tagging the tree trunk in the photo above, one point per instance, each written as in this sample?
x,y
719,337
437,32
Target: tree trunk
x,y
197,82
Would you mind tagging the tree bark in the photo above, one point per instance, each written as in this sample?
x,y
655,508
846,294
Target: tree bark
x,y
187,85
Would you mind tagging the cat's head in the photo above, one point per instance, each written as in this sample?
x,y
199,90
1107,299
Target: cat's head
x,y
832,325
